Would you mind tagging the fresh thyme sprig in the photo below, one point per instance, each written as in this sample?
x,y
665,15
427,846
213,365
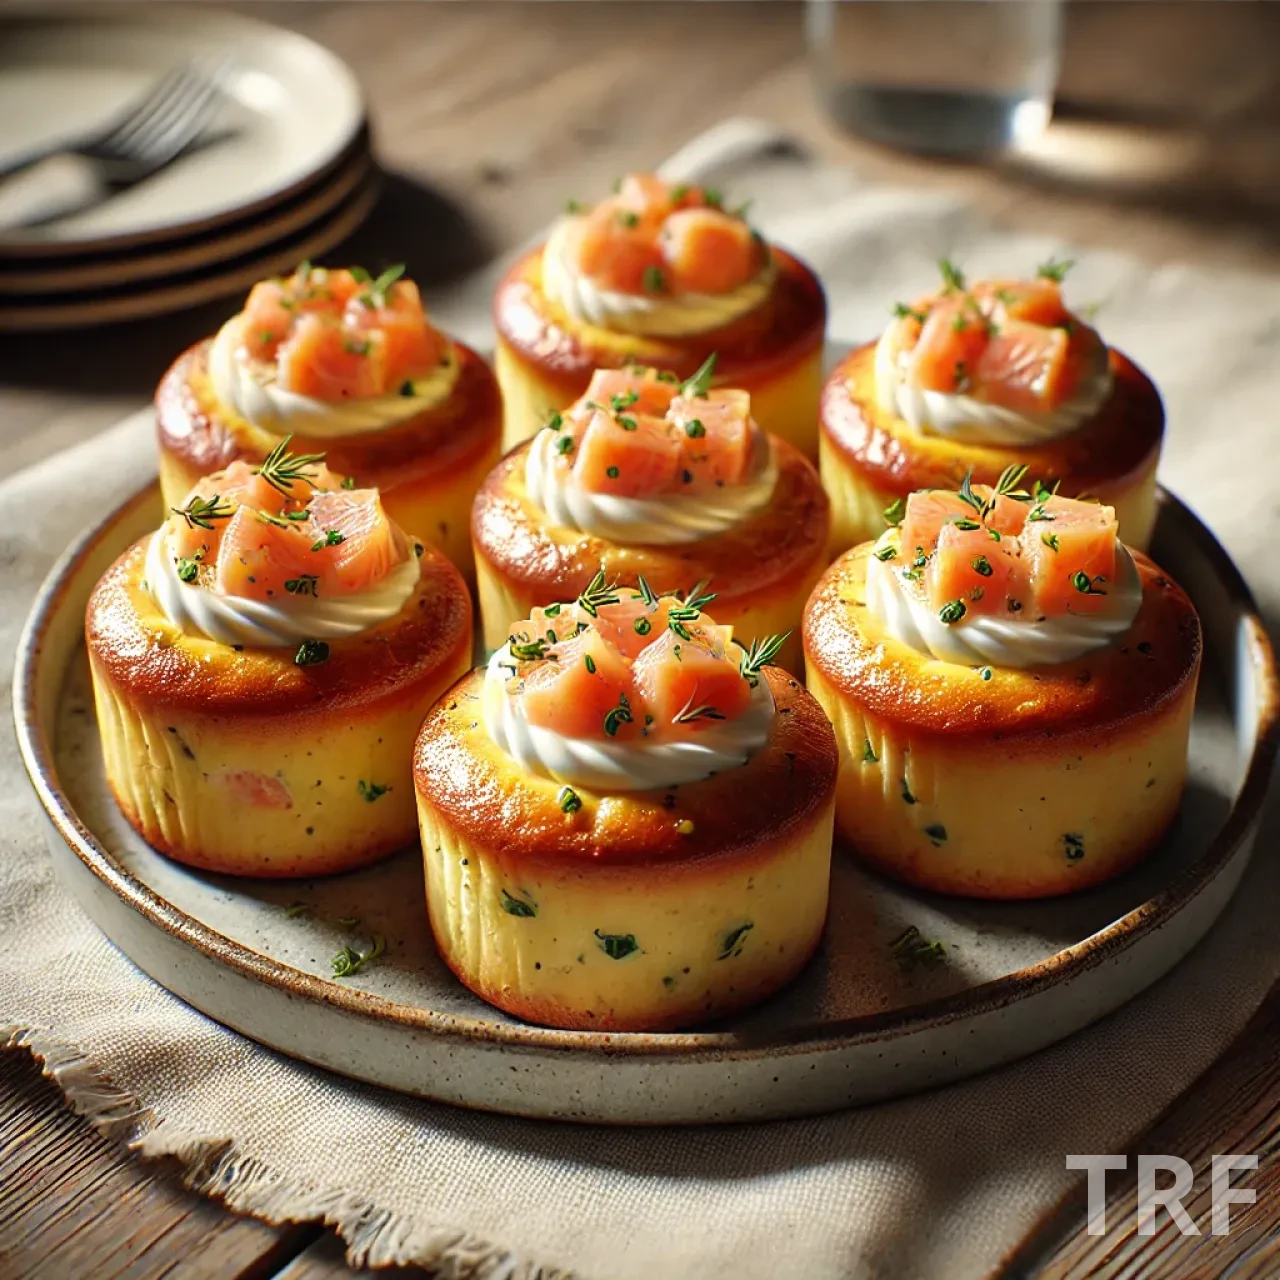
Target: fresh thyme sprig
x,y
759,654
952,276
700,383
282,469
199,513
525,650
704,712
647,593
599,593
1005,487
699,597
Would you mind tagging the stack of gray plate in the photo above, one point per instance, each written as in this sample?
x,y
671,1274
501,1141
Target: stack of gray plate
x,y
282,172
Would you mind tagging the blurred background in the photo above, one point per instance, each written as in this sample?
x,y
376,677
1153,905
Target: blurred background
x,y
444,134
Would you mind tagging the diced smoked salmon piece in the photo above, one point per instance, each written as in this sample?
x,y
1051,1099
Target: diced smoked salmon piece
x,y
1023,367
410,346
618,249
267,319
970,566
325,360
708,251
688,685
714,433
614,388
629,455
353,544
632,624
257,558
645,193
1037,301
1071,556
585,692
952,341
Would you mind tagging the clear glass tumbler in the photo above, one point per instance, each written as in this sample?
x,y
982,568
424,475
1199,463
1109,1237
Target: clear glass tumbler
x,y
944,77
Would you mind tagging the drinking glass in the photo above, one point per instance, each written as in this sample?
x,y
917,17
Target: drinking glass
x,y
948,77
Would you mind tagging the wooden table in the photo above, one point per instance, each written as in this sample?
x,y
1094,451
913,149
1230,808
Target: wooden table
x,y
1167,145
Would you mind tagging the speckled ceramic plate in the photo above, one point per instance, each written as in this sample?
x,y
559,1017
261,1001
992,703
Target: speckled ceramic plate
x,y
855,1026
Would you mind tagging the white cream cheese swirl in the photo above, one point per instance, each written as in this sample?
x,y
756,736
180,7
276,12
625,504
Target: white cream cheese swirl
x,y
251,390
968,420
609,766
664,520
197,610
648,315
982,640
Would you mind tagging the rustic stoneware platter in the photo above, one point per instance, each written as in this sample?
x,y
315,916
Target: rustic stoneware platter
x,y
856,1026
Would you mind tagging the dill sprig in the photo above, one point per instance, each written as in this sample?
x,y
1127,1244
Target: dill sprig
x,y
525,650
199,513
700,383
704,712
911,947
282,469
349,961
759,654
1005,487
647,593
598,593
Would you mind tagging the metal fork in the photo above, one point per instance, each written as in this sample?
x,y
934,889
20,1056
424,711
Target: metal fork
x,y
148,135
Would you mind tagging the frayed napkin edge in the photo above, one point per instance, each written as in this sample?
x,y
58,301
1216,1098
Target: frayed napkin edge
x,y
216,1168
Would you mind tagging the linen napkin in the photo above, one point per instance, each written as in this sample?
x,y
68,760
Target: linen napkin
x,y
938,1185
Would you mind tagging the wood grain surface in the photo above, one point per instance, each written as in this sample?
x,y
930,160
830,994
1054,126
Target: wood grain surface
x,y
487,116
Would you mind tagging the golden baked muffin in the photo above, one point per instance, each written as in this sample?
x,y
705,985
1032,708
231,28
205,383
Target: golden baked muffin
x,y
651,477
626,818
1012,690
973,379
261,665
349,365
660,274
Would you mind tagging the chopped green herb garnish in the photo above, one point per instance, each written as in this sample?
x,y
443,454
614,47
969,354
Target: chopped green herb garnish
x,y
647,593
311,653
868,752
514,906
188,570
349,961
653,280
967,525
348,482
902,311
952,276
952,611
698,596
620,715
569,800
894,512
642,626
732,942
982,566
985,673
911,948
303,585
612,472
617,946
694,429
376,294
332,538
598,593
590,663
1050,540
1085,585
526,650
885,553
371,791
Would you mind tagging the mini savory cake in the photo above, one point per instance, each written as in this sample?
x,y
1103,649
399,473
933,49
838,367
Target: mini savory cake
x,y
346,364
976,378
648,476
626,818
663,274
261,665
1011,688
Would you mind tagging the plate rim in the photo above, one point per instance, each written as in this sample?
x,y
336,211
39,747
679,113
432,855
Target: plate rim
x,y
219,280
987,997
248,27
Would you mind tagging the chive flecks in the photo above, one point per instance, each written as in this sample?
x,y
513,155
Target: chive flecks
x,y
952,612
590,664
694,429
868,753
311,653
642,626
885,553
371,791
569,800
894,512
654,280
986,673
1086,585
732,943
620,715
612,472
617,946
982,566
1050,540
304,584
523,907
348,482
188,570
